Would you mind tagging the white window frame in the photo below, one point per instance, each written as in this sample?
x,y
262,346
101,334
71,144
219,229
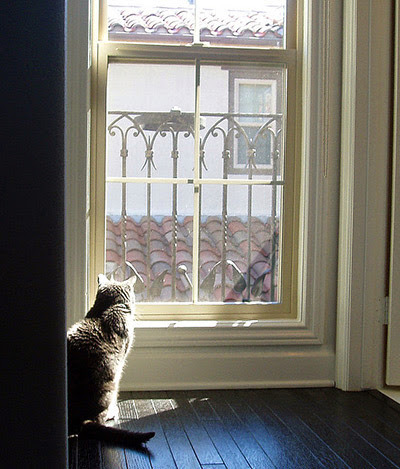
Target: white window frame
x,y
276,339
117,51
287,307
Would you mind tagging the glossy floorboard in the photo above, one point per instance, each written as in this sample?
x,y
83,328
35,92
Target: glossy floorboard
x,y
279,428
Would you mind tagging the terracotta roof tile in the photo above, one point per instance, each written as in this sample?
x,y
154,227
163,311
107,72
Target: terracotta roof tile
x,y
134,23
208,256
213,227
236,226
113,256
184,257
137,254
210,252
159,266
140,265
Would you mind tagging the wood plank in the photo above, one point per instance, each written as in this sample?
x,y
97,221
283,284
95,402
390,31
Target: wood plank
x,y
199,402
89,454
160,452
227,448
238,429
381,428
339,445
250,448
336,441
127,410
138,458
339,409
73,453
381,437
180,446
335,416
279,404
113,457
198,437
376,407
119,457
371,409
213,466
278,443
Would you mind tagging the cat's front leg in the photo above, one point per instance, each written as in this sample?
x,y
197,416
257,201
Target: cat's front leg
x,y
112,411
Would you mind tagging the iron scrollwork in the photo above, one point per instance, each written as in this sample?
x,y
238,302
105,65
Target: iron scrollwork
x,y
149,126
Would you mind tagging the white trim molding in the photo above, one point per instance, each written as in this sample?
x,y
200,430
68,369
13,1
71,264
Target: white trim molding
x,y
157,334
212,368
363,233
281,353
393,345
76,151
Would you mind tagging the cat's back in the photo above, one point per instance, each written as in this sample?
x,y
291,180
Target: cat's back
x,y
85,335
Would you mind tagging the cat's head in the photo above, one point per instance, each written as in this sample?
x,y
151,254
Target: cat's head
x,y
111,292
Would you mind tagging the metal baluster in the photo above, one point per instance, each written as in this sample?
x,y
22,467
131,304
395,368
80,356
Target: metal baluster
x,y
214,131
275,156
174,156
149,155
124,155
160,128
200,189
225,156
251,153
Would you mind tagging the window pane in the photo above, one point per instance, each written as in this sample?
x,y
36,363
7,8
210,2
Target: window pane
x,y
243,114
158,246
158,131
255,23
239,243
151,137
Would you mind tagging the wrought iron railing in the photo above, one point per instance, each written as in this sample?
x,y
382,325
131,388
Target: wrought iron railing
x,y
149,127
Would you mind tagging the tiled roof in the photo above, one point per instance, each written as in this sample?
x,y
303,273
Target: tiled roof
x,y
216,26
210,254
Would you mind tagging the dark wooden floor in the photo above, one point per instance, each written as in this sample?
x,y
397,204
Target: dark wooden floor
x,y
260,429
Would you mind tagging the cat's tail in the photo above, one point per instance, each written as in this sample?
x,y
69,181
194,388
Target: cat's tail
x,y
116,436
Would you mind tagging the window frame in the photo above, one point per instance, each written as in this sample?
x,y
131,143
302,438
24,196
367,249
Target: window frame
x,y
318,196
278,352
122,52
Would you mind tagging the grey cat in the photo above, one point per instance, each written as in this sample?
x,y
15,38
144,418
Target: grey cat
x,y
97,348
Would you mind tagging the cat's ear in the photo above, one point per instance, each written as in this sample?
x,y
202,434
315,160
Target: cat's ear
x,y
102,280
132,280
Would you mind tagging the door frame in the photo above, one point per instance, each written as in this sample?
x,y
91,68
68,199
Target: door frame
x,y
364,194
360,340
393,346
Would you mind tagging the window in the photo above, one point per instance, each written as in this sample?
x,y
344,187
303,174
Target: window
x,y
194,164
255,92
254,98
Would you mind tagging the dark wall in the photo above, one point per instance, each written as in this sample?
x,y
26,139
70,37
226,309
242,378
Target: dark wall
x,y
32,234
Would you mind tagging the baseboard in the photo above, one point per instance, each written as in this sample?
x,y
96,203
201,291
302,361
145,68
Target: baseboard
x,y
229,385
391,395
227,369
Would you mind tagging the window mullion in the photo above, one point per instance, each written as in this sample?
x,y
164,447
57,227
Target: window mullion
x,y
196,194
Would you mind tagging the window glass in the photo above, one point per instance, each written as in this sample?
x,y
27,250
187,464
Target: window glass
x,y
211,239
255,23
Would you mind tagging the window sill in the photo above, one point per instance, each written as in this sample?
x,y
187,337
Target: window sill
x,y
224,333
